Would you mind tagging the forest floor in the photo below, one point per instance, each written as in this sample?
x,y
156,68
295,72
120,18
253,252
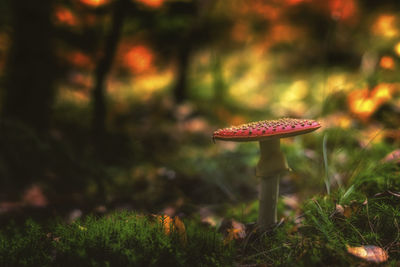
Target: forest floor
x,y
181,200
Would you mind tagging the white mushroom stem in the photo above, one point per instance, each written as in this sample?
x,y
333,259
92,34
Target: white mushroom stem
x,y
270,167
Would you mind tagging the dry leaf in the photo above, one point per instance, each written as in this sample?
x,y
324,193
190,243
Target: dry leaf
x,y
235,230
339,209
292,201
181,229
174,224
393,156
349,210
354,207
35,197
55,238
211,221
208,217
369,253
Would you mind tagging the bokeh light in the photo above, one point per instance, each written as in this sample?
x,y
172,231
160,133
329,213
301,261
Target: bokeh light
x,y
361,104
382,93
64,16
385,25
152,3
139,59
397,49
387,62
94,3
343,9
80,59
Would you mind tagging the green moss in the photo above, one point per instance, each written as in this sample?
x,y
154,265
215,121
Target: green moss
x,y
121,239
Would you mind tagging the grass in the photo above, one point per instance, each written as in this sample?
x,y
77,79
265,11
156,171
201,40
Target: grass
x,y
120,239
320,234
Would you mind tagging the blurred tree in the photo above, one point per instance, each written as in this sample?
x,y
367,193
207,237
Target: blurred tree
x,y
31,69
103,69
204,30
181,29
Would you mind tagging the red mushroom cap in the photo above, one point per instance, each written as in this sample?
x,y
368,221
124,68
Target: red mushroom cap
x,y
268,129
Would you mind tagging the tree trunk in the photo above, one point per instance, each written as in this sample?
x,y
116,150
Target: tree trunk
x,y
31,70
103,69
180,89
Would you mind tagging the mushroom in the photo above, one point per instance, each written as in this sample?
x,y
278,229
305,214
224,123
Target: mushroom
x,y
272,163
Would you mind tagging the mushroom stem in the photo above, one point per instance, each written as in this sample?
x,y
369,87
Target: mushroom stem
x,y
270,167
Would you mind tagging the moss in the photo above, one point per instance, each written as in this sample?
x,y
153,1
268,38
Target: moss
x,y
121,239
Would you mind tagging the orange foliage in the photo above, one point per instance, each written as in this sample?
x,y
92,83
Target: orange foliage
x,y
382,93
295,2
265,10
240,31
364,103
397,49
139,59
342,9
385,25
81,80
173,225
236,231
387,62
94,3
79,59
360,104
65,16
283,33
152,3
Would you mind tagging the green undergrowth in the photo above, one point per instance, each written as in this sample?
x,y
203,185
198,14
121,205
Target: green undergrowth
x,y
364,212
120,239
367,212
320,236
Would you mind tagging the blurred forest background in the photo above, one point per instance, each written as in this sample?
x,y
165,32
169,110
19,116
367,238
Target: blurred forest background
x,y
110,104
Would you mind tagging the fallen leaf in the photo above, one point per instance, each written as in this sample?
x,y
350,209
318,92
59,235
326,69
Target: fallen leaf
x,y
233,230
9,206
74,215
393,156
55,238
34,197
211,221
369,253
167,223
339,209
292,201
181,229
354,207
349,210
208,217
173,224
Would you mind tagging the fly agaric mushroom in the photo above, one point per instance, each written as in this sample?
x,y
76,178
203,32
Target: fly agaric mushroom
x,y
272,163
